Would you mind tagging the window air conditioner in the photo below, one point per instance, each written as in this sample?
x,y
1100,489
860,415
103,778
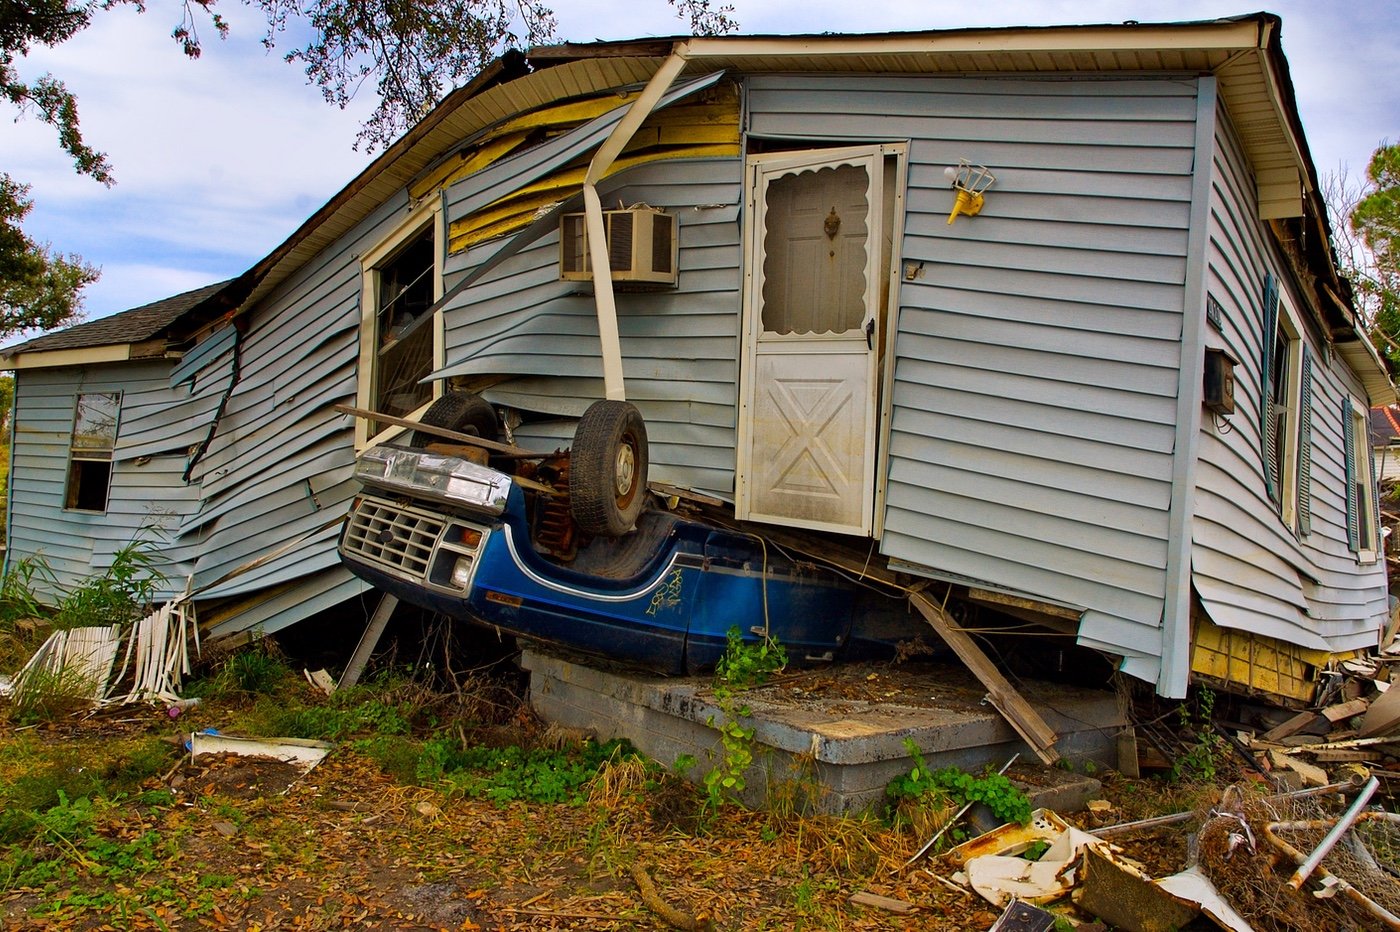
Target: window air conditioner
x,y
641,247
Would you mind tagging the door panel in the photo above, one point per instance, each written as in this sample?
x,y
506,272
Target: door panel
x,y
808,395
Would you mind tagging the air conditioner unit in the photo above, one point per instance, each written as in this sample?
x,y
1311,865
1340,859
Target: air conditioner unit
x,y
641,247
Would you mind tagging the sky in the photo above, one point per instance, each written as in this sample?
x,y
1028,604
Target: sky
x,y
218,160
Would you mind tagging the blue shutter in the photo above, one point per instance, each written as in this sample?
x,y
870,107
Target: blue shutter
x,y
1268,424
1305,446
1349,456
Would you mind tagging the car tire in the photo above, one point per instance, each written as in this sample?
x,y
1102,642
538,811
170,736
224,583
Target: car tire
x,y
464,412
608,469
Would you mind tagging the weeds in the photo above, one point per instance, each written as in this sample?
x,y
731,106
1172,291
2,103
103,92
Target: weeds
x,y
119,595
740,667
954,787
45,694
1203,759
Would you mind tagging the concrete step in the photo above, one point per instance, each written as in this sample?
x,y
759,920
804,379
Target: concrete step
x,y
837,732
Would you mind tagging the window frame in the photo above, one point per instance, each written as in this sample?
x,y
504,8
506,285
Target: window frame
x,y
1284,395
1361,512
72,483
426,216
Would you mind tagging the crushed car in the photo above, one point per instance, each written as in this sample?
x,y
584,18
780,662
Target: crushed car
x,y
570,549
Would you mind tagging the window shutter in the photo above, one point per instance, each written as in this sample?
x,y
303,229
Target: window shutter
x,y
1305,446
1268,423
1349,445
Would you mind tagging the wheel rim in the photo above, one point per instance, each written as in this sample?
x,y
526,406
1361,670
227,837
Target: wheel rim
x,y
625,470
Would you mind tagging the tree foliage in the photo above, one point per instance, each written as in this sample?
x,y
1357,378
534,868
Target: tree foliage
x,y
39,289
1368,242
413,51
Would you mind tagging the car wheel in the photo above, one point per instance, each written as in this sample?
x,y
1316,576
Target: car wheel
x,y
464,412
608,469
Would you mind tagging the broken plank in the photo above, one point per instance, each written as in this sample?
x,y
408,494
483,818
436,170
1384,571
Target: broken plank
x,y
368,641
1291,727
1345,710
1313,776
882,902
1342,755
1003,696
470,439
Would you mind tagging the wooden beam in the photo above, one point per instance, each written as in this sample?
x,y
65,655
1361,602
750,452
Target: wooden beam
x,y
368,641
1003,696
471,439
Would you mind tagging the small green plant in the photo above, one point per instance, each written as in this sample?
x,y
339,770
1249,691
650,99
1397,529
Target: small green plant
x,y
117,596
1204,758
743,665
740,667
993,790
18,598
504,775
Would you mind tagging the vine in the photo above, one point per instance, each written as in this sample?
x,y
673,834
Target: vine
x,y
741,666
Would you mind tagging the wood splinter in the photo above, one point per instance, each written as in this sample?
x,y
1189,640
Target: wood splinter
x,y
667,912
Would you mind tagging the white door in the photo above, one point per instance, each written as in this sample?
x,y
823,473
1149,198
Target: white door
x,y
807,407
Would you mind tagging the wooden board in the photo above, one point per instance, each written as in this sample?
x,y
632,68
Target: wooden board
x,y
1003,696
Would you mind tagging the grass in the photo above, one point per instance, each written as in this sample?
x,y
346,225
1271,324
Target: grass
x,y
456,785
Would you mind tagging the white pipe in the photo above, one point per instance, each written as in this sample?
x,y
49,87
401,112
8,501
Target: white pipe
x,y
604,302
1338,830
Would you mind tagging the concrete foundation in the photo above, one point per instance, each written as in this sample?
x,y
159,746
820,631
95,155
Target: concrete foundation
x,y
836,736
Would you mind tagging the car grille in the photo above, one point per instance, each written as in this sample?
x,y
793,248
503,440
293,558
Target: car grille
x,y
399,538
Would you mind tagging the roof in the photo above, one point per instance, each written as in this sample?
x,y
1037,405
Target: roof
x,y
1243,53
133,326
1385,425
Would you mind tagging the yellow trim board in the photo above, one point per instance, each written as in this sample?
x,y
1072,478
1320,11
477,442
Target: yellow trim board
x,y
1247,663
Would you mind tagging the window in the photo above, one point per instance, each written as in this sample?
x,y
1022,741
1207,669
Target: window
x,y
400,341
1282,403
1361,482
90,451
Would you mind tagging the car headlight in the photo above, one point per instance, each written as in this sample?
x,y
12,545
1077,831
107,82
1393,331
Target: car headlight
x,y
437,476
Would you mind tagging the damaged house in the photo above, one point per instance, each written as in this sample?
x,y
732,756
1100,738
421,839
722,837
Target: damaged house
x,y
1046,315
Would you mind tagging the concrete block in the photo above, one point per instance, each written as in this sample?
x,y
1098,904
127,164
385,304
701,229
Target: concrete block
x,y
847,747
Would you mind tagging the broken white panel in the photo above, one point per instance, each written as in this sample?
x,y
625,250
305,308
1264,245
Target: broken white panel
x,y
301,753
1194,887
78,656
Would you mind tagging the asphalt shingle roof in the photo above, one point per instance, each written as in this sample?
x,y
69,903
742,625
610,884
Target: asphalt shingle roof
x,y
133,326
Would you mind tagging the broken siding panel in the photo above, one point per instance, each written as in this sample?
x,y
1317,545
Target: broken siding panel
x,y
286,605
313,549
279,463
680,347
204,353
1262,575
1040,337
170,417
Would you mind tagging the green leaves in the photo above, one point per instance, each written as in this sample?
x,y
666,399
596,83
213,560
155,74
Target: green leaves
x,y
39,288
993,790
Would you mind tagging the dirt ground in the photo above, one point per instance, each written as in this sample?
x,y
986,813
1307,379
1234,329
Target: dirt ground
x,y
248,845
230,842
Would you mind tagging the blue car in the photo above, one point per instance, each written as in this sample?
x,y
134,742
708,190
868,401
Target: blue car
x,y
469,541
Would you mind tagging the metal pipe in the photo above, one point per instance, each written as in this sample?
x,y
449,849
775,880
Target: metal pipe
x,y
1380,912
1338,830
